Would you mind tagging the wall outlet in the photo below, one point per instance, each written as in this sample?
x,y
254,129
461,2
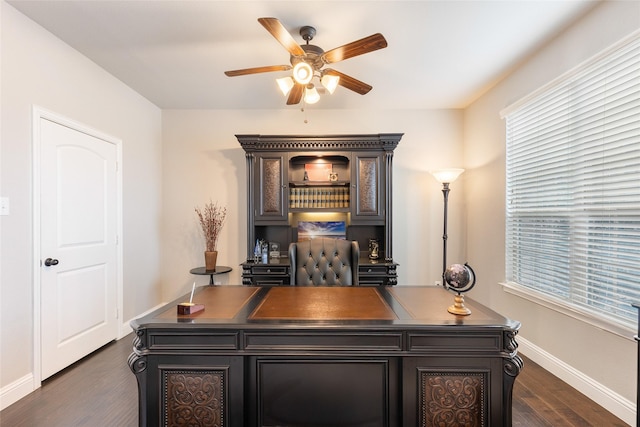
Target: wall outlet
x,y
438,283
4,206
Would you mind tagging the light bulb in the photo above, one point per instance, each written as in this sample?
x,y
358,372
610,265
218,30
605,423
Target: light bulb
x,y
302,73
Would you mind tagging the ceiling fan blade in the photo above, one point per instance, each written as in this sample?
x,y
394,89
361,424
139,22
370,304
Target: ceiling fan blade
x,y
349,82
256,70
358,47
277,30
295,96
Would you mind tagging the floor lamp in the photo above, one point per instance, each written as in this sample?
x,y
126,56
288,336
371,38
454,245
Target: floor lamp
x,y
445,177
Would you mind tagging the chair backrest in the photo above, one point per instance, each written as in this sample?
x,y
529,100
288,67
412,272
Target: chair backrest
x,y
324,262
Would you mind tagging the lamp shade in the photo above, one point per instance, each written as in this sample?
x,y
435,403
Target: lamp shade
x,y
330,82
302,73
446,175
285,84
311,95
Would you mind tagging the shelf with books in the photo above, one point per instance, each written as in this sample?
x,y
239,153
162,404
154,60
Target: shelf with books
x,y
319,197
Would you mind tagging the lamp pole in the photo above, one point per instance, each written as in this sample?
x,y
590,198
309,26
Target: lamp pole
x,y
445,193
445,177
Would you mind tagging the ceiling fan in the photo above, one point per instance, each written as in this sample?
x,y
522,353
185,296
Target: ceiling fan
x,y
307,62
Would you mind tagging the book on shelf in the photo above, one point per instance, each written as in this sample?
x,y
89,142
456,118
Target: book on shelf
x,y
318,197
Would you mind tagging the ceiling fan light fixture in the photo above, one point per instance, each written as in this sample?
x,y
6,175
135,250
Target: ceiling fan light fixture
x,y
307,62
285,84
311,95
330,82
302,73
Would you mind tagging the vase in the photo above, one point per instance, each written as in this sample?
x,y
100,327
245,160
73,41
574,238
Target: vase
x,y
210,258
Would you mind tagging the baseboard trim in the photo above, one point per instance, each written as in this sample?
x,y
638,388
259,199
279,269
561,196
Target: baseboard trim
x,y
15,391
603,396
126,326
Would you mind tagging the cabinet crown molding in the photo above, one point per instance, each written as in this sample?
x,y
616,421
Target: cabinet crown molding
x,y
379,141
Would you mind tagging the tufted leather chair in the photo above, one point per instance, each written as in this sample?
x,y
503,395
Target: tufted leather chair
x,y
324,262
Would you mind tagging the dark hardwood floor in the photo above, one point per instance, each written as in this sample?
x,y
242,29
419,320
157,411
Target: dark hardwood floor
x,y
542,399
100,390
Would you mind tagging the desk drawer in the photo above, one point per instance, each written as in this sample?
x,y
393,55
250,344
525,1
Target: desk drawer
x,y
269,269
334,341
371,281
372,269
197,340
461,343
270,281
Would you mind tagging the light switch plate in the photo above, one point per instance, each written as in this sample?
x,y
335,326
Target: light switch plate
x,y
4,206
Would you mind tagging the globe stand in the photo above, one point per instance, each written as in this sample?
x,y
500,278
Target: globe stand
x,y
459,279
458,306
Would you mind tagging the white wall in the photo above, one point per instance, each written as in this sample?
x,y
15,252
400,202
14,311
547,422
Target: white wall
x,y
38,69
203,160
608,359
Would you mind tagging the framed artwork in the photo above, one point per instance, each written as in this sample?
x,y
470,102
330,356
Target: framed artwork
x,y
310,229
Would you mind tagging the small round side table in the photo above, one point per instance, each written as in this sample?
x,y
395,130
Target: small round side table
x,y
202,271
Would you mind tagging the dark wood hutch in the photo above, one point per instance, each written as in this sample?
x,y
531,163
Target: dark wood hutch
x,y
358,190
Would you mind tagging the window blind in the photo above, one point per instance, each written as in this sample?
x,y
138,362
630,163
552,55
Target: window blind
x,y
573,188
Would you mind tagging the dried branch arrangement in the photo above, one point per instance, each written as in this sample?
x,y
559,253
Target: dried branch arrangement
x,y
212,218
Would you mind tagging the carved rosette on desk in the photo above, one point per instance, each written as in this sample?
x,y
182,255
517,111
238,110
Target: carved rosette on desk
x,y
453,399
194,395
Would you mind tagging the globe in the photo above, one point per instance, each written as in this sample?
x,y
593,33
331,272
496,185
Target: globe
x,y
459,277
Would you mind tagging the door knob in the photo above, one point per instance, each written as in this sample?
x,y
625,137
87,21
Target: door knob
x,y
50,261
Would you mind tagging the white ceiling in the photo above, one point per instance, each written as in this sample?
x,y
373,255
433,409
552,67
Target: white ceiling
x,y
441,54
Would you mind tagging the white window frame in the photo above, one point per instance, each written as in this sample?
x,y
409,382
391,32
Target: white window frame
x,y
551,207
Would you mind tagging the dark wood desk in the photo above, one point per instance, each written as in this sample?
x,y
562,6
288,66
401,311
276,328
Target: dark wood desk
x,y
333,356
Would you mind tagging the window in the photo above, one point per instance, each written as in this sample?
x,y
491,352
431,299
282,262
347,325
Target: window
x,y
573,188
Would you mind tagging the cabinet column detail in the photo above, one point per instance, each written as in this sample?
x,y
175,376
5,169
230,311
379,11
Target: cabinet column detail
x,y
388,217
251,237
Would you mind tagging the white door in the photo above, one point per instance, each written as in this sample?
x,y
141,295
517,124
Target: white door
x,y
78,245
